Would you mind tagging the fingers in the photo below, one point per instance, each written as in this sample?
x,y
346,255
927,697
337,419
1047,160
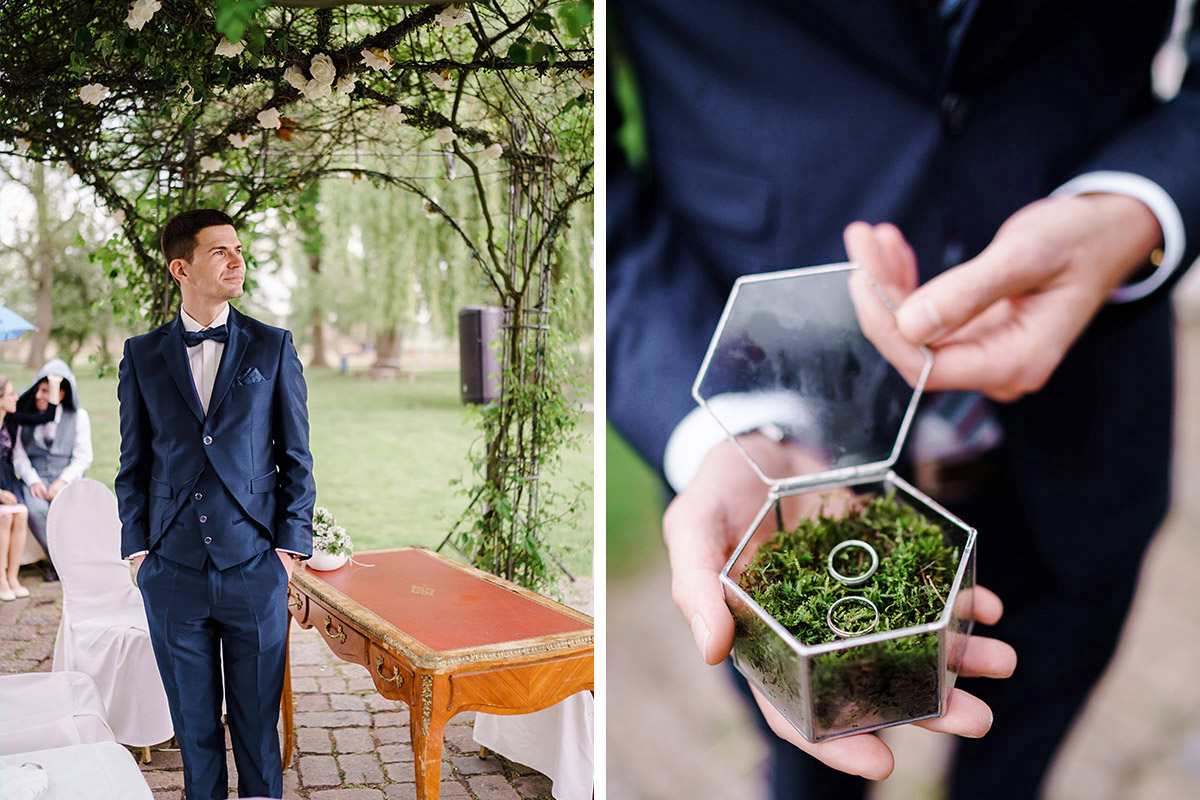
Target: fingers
x,y
988,606
958,295
966,715
694,546
862,754
879,326
988,658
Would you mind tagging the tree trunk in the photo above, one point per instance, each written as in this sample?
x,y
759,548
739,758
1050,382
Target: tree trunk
x,y
387,354
318,327
43,271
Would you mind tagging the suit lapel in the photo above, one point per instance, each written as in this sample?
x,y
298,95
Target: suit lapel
x,y
175,354
231,359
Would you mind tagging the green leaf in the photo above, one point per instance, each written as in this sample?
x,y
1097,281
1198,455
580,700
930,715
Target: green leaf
x,y
542,21
517,52
541,51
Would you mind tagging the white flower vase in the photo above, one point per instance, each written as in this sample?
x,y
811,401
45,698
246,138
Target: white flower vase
x,y
322,561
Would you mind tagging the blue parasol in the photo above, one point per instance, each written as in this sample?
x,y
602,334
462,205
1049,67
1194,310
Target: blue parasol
x,y
12,325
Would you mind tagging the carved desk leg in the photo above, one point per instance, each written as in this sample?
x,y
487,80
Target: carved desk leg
x,y
285,701
427,722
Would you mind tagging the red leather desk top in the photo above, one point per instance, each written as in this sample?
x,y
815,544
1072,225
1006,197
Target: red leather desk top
x,y
443,605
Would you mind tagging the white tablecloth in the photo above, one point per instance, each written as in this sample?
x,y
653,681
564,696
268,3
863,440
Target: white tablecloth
x,y
557,742
43,710
100,771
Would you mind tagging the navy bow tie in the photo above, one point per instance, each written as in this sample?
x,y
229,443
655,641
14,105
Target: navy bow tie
x,y
217,334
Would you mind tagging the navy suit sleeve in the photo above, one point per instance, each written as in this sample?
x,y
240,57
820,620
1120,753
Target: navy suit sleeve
x,y
132,480
1164,146
296,492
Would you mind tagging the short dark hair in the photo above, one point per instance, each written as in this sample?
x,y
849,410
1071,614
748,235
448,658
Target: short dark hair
x,y
179,234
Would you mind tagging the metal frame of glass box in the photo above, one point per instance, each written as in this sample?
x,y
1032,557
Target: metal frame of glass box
x,y
867,682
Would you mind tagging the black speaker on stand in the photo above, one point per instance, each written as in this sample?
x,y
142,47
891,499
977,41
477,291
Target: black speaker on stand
x,y
478,362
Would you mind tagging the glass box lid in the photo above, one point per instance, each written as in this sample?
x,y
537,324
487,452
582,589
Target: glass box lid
x,y
789,352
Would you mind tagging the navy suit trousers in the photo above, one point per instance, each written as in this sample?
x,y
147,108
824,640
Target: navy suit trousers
x,y
236,618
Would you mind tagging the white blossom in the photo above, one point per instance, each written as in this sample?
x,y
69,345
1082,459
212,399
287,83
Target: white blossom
x,y
345,84
393,114
229,49
322,70
23,146
492,151
119,217
211,164
453,14
269,118
315,90
430,210
377,58
140,13
445,135
295,76
93,93
441,78
587,79
239,140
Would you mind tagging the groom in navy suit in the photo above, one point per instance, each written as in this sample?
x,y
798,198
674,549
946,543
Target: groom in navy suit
x,y
216,498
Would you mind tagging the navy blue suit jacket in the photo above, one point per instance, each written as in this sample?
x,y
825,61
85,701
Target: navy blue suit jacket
x,y
254,437
771,126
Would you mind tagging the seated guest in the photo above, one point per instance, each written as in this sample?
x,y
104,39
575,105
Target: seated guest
x,y
13,514
52,454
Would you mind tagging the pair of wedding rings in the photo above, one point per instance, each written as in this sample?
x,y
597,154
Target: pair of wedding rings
x,y
852,580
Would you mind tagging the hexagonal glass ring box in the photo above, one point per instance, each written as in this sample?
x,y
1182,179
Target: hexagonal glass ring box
x,y
789,357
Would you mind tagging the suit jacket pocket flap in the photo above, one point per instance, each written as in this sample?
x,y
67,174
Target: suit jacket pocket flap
x,y
265,483
160,489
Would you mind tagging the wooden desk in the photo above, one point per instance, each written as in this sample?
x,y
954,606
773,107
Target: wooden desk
x,y
444,638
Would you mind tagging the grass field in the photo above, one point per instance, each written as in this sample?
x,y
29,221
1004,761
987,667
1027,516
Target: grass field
x,y
384,454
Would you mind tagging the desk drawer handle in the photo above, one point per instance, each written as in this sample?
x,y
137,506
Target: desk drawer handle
x,y
340,635
295,601
397,679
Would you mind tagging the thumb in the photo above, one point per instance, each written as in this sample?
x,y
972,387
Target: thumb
x,y
961,293
693,536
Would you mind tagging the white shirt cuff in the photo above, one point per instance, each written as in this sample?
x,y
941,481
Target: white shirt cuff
x,y
1159,203
132,556
699,431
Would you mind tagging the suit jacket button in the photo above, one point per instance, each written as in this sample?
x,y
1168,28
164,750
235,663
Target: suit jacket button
x,y
208,440
203,518
208,540
198,496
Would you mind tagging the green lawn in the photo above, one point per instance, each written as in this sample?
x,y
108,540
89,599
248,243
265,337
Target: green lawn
x,y
384,452
633,509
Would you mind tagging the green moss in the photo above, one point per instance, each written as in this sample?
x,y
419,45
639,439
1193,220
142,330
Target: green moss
x,y
790,580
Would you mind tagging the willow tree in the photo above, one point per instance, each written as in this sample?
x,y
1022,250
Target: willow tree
x,y
162,105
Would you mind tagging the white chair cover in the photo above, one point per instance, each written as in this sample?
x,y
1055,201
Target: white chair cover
x,y
556,741
44,710
100,771
103,631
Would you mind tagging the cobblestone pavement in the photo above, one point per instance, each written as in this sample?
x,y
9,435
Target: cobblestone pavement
x,y
351,743
677,731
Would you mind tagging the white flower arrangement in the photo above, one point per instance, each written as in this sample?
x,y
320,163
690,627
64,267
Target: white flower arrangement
x,y
269,118
295,76
228,49
445,135
453,14
239,140
328,536
140,13
345,84
441,78
210,164
377,58
393,114
322,70
23,146
93,93
492,151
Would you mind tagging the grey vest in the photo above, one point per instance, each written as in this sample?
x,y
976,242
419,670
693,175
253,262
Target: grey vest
x,y
50,462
